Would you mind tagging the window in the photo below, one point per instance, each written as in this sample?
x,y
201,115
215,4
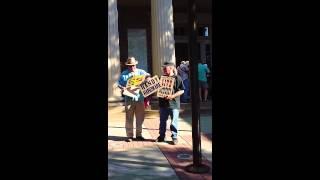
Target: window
x,y
203,31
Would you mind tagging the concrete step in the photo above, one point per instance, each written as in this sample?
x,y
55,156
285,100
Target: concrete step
x,y
183,113
185,106
115,104
153,109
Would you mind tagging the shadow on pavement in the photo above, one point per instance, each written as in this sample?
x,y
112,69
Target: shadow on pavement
x,y
133,128
121,138
141,163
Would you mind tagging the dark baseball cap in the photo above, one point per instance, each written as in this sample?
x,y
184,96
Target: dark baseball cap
x,y
168,64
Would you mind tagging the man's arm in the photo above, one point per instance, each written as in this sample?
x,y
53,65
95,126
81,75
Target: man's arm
x,y
178,93
180,89
121,87
208,70
121,83
147,75
186,68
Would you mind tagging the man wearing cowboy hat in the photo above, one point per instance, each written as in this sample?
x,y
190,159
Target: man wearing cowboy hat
x,y
133,105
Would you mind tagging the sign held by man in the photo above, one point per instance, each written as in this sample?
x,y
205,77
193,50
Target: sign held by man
x,y
150,86
166,86
135,81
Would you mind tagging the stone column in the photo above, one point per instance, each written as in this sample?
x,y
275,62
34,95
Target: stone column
x,y
113,52
163,45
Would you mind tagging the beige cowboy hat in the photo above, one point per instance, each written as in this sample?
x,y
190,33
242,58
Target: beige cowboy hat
x,y
131,61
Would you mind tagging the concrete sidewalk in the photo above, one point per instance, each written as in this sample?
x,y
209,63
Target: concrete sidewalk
x,y
139,163
151,160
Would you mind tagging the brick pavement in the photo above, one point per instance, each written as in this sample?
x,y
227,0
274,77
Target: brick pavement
x,y
150,132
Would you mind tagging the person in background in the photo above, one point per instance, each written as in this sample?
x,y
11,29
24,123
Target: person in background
x,y
183,72
203,70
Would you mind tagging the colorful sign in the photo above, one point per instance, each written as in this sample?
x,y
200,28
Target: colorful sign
x,y
135,81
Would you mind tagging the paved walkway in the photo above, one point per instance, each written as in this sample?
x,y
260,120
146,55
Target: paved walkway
x,y
151,160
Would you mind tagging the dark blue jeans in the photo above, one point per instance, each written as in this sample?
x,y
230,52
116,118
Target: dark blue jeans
x,y
185,96
164,114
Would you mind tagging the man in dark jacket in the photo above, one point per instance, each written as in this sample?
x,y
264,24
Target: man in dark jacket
x,y
170,105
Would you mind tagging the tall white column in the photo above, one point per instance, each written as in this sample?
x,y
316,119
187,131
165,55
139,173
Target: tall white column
x,y
163,48
113,52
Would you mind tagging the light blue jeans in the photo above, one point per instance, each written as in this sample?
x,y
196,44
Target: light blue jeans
x,y
164,114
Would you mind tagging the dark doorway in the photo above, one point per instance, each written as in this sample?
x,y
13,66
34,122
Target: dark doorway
x,y
181,52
